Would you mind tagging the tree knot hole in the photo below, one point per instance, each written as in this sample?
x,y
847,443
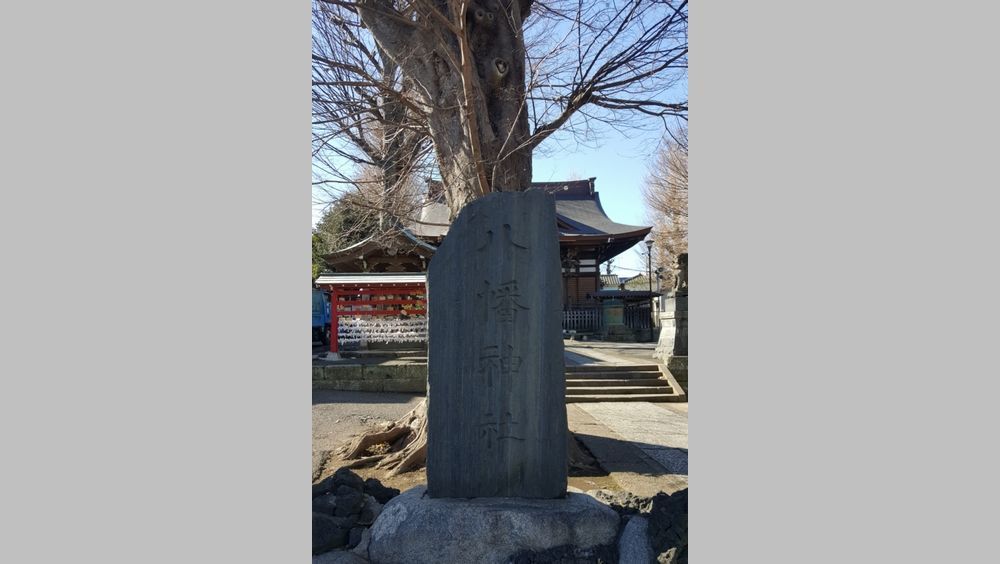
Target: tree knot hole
x,y
502,66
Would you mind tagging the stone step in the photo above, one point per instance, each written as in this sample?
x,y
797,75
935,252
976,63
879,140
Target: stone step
x,y
619,390
627,397
616,382
613,368
612,375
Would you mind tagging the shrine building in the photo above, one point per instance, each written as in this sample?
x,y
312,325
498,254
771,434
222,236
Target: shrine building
x,y
587,238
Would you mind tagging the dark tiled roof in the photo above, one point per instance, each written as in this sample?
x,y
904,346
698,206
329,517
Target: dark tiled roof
x,y
638,282
635,294
610,281
578,211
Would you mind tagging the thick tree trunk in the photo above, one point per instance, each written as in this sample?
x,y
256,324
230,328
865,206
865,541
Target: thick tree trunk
x,y
470,73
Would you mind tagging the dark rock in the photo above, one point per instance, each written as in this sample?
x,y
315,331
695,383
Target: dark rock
x,y
381,493
668,527
497,416
339,557
568,555
324,486
354,537
325,504
328,533
345,477
342,477
370,511
625,503
348,501
362,548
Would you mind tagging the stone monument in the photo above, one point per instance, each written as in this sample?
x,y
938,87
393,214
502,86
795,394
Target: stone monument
x,y
496,389
496,403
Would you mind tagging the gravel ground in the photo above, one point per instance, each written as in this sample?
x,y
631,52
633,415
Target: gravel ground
x,y
338,416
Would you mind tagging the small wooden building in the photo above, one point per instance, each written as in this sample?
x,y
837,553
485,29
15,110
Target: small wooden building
x,y
587,238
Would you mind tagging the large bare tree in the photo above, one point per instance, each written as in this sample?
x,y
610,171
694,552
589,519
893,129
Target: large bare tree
x,y
493,79
666,196
489,102
370,139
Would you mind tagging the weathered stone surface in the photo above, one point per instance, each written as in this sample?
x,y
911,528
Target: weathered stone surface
x,y
362,548
339,557
328,533
415,528
625,503
567,555
674,320
668,520
410,385
345,477
342,477
348,501
325,504
678,367
395,370
633,545
496,407
381,493
338,372
386,377
370,511
354,536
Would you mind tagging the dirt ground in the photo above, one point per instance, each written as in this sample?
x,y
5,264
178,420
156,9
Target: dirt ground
x,y
340,416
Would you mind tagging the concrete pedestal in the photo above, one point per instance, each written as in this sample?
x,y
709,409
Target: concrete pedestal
x,y
414,528
671,348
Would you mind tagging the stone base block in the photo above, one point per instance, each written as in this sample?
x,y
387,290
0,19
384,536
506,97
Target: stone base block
x,y
678,367
414,528
618,333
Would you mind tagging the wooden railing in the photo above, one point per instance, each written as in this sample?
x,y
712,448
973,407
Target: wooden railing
x,y
582,319
639,315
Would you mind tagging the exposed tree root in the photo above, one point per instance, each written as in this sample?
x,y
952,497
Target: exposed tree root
x,y
407,440
365,461
361,444
407,446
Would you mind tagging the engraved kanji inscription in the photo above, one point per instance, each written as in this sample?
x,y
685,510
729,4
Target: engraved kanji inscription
x,y
503,429
505,301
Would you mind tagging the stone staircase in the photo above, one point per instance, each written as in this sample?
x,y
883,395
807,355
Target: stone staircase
x,y
613,382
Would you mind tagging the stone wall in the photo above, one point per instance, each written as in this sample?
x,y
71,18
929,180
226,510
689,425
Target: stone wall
x,y
383,377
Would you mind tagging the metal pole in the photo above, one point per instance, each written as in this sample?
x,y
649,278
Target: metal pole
x,y
649,268
334,325
649,277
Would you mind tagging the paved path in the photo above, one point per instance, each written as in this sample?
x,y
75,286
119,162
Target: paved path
x,y
660,433
586,352
625,438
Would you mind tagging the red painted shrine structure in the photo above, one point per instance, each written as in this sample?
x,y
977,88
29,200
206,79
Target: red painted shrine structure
x,y
372,295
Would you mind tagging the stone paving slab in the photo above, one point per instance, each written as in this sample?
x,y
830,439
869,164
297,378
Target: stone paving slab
x,y
608,356
661,434
675,461
628,465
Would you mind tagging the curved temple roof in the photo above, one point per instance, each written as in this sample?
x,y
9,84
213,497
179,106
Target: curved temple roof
x,y
579,214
